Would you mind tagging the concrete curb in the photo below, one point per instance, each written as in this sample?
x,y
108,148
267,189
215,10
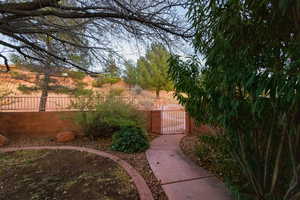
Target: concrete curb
x,y
141,185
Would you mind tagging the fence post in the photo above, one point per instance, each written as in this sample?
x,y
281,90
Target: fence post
x,y
156,126
188,123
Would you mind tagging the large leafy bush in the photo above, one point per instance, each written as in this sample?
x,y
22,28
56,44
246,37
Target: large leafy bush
x,y
102,116
249,87
130,140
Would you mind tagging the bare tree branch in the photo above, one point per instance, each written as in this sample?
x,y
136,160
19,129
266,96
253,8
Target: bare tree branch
x,y
5,62
91,25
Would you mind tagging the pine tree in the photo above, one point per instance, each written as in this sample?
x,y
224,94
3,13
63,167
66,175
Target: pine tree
x,y
153,69
130,73
69,52
111,68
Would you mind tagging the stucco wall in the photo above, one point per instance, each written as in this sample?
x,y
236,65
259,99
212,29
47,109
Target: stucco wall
x,y
37,123
155,121
45,124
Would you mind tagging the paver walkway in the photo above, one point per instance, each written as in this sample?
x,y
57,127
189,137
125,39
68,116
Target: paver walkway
x,y
181,179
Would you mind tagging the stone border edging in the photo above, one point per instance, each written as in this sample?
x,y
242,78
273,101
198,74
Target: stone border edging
x,y
141,185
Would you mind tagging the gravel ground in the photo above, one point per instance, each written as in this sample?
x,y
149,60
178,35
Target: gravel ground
x,y
138,160
188,145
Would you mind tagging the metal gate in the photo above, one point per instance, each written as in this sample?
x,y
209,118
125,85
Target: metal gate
x,y
173,121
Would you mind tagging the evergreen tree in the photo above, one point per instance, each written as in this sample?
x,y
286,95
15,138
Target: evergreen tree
x,y
130,73
69,51
153,69
111,68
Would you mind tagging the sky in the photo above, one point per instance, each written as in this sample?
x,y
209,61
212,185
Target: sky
x,y
128,50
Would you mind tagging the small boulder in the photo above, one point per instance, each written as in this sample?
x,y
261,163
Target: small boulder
x,y
65,136
3,140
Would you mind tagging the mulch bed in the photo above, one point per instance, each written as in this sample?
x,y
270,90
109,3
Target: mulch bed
x,y
62,174
189,145
138,160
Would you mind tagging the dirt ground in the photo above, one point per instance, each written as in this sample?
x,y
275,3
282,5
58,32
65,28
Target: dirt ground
x,y
191,145
188,145
138,160
145,99
62,175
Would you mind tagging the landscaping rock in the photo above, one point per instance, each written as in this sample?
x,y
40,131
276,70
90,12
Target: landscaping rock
x,y
65,136
3,140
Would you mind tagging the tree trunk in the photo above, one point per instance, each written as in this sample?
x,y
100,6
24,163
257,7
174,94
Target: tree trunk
x,y
46,80
44,96
157,91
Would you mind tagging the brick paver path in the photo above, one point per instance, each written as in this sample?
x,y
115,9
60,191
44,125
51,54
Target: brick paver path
x,y
181,179
142,187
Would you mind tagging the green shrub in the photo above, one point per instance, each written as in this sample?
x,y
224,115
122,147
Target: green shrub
x,y
77,91
5,91
60,89
102,116
214,153
77,75
98,83
80,84
81,91
105,79
93,126
18,76
112,80
86,102
130,140
116,91
27,89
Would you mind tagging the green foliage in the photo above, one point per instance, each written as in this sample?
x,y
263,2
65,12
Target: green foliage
x,y
5,91
250,87
61,89
58,89
102,116
130,140
153,69
80,84
15,59
98,83
86,102
81,91
27,89
130,73
105,79
214,152
18,76
111,69
116,91
112,80
77,75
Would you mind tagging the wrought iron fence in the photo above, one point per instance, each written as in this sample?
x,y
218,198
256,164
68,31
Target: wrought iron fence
x,y
54,103
173,121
